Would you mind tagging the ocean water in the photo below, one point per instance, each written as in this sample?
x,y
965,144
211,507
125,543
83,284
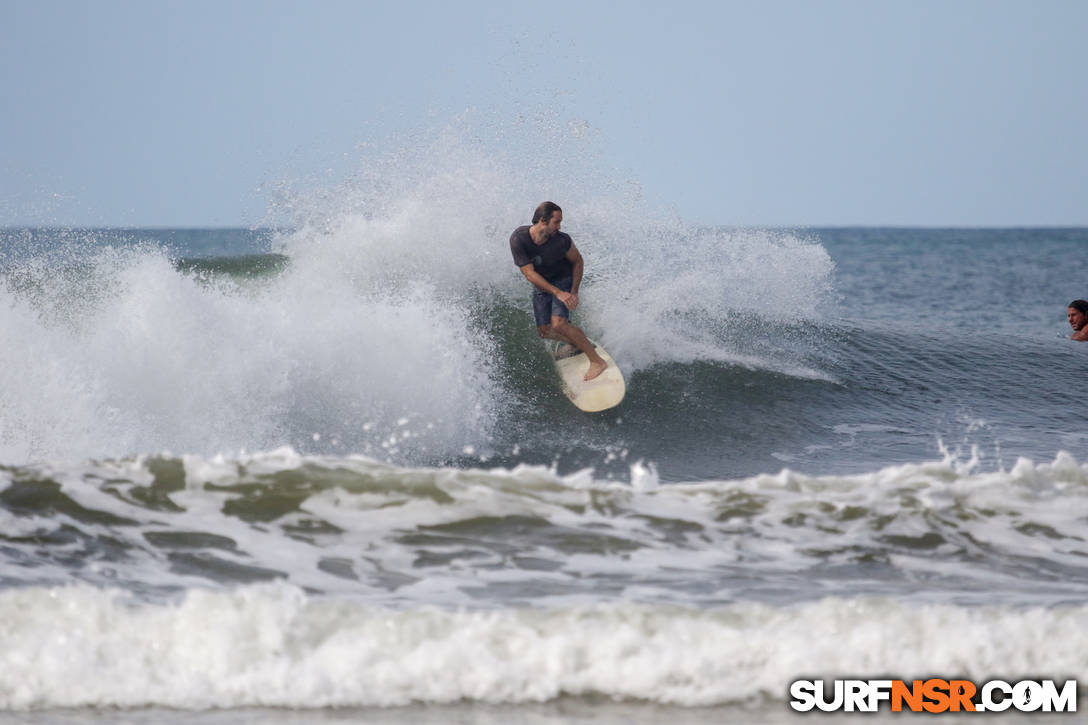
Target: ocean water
x,y
324,472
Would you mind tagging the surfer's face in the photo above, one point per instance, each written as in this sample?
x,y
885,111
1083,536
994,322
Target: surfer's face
x,y
1077,319
552,225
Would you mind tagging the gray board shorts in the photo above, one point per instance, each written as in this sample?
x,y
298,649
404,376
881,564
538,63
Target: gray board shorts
x,y
546,305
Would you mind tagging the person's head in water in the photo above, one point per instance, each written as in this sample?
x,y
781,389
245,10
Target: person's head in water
x,y
1078,316
547,218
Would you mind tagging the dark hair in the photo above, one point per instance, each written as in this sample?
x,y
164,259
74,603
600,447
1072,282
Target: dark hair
x,y
544,211
1080,306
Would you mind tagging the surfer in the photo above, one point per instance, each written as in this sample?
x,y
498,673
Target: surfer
x,y
550,261
1078,319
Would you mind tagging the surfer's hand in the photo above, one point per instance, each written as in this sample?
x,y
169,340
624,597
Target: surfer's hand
x,y
569,299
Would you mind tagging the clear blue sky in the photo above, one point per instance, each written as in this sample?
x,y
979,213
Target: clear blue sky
x,y
920,112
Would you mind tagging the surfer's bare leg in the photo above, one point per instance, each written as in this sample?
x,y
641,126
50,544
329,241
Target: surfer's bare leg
x,y
548,332
575,336
567,349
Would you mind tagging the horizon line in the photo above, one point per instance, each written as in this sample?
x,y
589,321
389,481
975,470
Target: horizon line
x,y
272,228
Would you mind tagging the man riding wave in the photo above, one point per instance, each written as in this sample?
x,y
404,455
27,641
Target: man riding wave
x,y
550,261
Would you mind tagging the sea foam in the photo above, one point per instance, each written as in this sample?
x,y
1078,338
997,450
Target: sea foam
x,y
272,645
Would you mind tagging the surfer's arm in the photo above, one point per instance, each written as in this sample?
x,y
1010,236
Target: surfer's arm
x,y
537,281
567,298
577,265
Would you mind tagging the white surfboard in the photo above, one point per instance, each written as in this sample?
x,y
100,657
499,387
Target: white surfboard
x,y
602,392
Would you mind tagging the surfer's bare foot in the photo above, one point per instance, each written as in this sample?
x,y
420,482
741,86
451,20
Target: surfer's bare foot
x,y
595,368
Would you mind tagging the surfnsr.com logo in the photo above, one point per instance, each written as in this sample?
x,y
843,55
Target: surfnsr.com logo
x,y
933,695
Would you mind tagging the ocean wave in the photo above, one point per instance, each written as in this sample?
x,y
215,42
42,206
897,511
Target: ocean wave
x,y
351,526
275,646
390,297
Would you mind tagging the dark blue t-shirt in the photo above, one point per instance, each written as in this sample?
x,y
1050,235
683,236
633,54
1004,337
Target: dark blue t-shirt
x,y
548,259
